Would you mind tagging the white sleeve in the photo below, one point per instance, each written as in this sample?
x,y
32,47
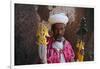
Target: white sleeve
x,y
43,53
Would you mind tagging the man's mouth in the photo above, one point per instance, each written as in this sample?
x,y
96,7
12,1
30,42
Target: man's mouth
x,y
58,38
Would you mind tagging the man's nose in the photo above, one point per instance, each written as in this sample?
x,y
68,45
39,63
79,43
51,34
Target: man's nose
x,y
59,31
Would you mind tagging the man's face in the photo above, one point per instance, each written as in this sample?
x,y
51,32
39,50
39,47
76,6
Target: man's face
x,y
58,31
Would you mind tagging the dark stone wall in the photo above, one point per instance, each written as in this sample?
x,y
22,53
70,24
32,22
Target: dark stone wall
x,y
26,51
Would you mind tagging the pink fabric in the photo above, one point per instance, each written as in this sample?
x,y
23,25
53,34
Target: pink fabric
x,y
53,56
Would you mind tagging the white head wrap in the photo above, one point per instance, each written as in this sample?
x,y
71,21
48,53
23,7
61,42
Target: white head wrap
x,y
58,18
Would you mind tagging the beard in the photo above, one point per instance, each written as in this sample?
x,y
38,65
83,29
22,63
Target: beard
x,y
59,38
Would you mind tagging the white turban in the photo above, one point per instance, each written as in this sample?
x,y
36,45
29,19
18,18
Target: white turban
x,y
58,18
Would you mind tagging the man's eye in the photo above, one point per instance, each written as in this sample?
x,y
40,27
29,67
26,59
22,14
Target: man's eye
x,y
56,31
62,28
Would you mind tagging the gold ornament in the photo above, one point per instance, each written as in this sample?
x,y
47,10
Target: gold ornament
x,y
42,33
80,50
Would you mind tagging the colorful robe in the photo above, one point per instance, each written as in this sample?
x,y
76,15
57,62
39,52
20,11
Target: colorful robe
x,y
54,57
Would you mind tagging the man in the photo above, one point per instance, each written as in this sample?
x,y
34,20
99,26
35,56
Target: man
x,y
59,50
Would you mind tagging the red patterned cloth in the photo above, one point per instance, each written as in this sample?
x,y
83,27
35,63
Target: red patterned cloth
x,y
54,57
